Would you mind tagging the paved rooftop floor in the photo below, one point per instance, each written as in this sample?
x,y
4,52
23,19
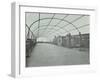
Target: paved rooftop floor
x,y
45,54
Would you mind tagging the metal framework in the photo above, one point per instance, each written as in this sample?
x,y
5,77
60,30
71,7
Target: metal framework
x,y
44,27
49,23
56,19
59,21
71,29
73,22
29,31
55,29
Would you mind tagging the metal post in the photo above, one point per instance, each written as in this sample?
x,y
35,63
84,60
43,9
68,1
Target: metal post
x,y
80,36
69,40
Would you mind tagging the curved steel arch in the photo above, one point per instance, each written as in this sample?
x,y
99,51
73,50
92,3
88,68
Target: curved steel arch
x,y
49,28
44,28
57,19
72,22
56,23
78,28
50,25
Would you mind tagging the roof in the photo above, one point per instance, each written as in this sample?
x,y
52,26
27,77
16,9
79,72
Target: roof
x,y
56,24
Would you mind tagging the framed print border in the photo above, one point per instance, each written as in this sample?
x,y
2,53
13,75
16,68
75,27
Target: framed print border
x,y
18,68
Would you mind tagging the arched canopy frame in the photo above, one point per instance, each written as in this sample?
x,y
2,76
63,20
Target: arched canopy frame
x,y
71,29
71,22
56,19
49,30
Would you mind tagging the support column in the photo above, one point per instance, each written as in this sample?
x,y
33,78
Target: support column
x,y
80,36
69,44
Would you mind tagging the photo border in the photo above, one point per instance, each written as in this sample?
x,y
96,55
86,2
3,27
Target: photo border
x,y
18,70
